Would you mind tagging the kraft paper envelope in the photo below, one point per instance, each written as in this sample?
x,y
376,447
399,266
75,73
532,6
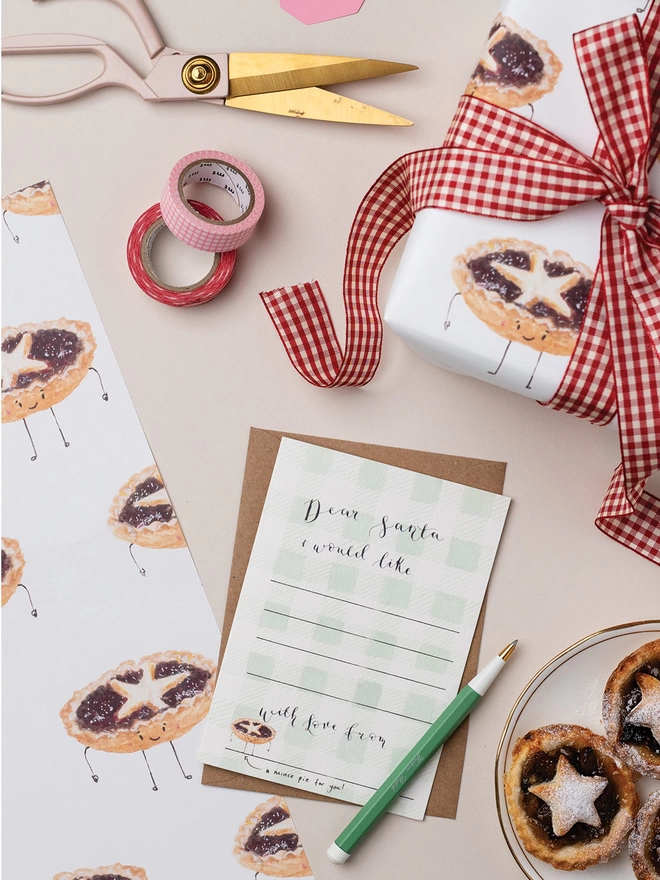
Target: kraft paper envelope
x,y
261,455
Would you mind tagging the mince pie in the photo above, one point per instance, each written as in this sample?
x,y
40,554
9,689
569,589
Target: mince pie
x,y
525,293
34,200
631,709
142,513
516,68
571,799
42,364
252,730
268,843
13,564
110,872
139,705
644,843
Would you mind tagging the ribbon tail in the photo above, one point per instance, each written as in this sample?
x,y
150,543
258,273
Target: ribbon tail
x,y
631,518
301,315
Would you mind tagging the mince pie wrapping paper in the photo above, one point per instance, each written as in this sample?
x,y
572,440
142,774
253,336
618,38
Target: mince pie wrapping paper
x,y
559,124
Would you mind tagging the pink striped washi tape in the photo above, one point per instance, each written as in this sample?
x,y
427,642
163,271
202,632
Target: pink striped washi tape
x,y
227,172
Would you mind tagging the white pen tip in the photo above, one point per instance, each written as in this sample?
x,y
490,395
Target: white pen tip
x,y
336,854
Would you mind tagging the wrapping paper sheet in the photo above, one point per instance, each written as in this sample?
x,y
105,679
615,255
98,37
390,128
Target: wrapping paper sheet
x,y
65,809
423,307
262,453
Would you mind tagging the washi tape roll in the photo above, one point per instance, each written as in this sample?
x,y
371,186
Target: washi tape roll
x,y
198,230
138,252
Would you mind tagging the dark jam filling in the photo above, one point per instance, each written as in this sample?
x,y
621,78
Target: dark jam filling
x,y
518,62
58,348
98,711
542,768
138,517
263,731
269,844
484,271
631,733
653,846
6,564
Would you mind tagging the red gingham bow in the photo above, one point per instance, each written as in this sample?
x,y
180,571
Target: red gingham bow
x,y
496,164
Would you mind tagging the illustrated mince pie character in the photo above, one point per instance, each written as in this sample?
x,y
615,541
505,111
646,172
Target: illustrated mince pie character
x,y
13,563
524,293
644,843
516,68
140,705
268,843
142,514
109,872
631,709
35,200
571,799
252,731
41,365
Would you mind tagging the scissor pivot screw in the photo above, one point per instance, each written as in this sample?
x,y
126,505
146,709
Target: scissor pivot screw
x,y
200,74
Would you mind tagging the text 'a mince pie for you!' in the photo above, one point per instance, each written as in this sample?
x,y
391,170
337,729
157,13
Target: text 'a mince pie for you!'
x,y
631,709
645,840
571,799
268,843
109,872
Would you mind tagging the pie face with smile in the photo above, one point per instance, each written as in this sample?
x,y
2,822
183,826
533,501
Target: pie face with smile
x,y
525,293
13,564
516,68
631,709
139,705
42,364
268,843
142,513
109,872
572,801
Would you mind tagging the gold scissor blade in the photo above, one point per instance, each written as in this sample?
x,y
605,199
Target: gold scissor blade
x,y
316,104
254,73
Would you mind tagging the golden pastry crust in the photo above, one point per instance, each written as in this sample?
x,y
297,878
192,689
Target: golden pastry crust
x,y
511,321
12,579
284,863
637,756
169,723
510,96
156,535
35,200
580,855
129,872
18,403
251,730
639,839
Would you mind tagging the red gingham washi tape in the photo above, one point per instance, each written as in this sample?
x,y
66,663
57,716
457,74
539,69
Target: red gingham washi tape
x,y
200,231
138,252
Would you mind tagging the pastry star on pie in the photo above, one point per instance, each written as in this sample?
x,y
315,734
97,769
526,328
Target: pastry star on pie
x,y
142,513
42,364
252,730
644,843
524,292
571,797
268,843
109,872
571,800
631,709
516,68
138,705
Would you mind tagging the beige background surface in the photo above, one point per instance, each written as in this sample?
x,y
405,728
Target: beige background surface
x,y
199,378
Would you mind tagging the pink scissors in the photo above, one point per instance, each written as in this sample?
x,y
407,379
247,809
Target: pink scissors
x,y
280,83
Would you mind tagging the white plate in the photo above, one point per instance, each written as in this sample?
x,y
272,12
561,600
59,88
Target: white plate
x,y
569,690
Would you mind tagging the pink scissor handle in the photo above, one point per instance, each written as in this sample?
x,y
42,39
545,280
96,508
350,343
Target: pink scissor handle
x,y
144,24
116,72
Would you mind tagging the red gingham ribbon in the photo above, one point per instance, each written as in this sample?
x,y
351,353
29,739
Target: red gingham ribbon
x,y
496,164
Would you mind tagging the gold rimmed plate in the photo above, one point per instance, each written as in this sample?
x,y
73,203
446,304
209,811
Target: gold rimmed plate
x,y
569,690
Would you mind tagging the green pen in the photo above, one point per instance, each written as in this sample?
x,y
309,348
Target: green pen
x,y
440,731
